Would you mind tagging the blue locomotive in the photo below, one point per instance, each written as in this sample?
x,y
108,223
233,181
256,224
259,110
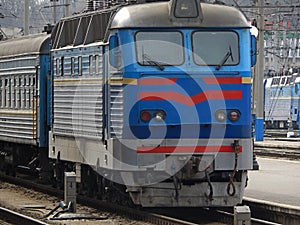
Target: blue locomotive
x,y
151,100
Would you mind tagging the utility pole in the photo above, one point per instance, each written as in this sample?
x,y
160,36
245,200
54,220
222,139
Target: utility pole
x,y
26,17
54,10
67,9
259,75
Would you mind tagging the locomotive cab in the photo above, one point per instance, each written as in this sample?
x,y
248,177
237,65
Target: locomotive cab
x,y
186,115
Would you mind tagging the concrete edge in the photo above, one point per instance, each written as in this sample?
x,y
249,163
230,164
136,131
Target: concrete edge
x,y
273,206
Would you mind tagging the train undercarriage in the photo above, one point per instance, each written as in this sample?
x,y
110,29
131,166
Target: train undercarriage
x,y
188,187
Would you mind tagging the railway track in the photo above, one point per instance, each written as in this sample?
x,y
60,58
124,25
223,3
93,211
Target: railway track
x,y
130,213
9,217
278,133
271,215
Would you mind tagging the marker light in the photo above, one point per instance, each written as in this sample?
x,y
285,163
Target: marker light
x,y
145,116
234,115
221,115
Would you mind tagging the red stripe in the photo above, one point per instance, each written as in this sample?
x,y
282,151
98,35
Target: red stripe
x,y
185,149
157,81
222,80
188,100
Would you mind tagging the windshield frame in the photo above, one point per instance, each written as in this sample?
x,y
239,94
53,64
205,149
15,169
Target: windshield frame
x,y
222,54
183,52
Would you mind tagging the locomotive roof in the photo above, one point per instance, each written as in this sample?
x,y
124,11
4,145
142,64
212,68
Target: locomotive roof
x,y
31,44
158,15
90,27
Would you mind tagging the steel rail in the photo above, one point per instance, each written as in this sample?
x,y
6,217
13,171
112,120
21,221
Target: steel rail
x,y
262,212
17,218
94,203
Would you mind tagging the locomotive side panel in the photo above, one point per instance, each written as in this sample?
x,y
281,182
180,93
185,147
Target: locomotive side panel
x,y
77,110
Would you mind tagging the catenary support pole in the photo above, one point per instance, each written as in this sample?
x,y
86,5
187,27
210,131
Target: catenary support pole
x,y
259,124
26,17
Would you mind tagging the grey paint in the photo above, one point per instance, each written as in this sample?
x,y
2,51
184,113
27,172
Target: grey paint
x,y
157,15
33,44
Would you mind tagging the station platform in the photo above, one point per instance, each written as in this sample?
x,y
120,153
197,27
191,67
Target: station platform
x,y
277,181
280,143
288,148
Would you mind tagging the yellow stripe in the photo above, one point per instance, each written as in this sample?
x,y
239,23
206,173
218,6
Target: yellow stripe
x,y
246,80
79,81
16,112
121,81
132,81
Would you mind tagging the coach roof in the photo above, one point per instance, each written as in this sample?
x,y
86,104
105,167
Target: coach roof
x,y
31,44
157,15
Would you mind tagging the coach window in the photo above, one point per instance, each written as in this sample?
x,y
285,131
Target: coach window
x,y
283,80
62,66
275,81
16,93
97,64
159,48
72,66
1,92
20,93
216,48
91,64
7,98
57,67
80,66
13,93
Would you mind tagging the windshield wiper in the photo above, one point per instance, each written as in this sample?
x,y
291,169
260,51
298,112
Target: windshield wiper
x,y
147,59
224,60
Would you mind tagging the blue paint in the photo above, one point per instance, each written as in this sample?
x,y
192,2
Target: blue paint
x,y
44,104
259,129
190,118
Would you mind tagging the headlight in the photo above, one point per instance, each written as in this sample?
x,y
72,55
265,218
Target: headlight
x,y
220,115
159,116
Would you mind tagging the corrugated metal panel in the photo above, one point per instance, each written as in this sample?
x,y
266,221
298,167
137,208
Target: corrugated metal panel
x,y
116,105
21,126
78,108
78,93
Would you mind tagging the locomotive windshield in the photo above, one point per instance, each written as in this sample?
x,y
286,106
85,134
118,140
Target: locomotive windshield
x,y
159,48
216,48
